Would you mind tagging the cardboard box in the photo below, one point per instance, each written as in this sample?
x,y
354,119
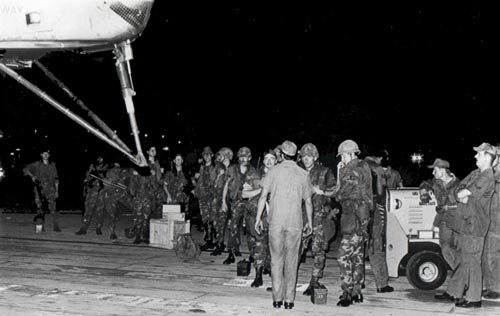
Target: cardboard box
x,y
163,233
174,216
171,208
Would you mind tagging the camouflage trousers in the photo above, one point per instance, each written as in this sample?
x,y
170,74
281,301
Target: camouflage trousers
x,y
351,262
111,199
319,245
142,211
240,211
206,210
491,262
94,204
220,222
258,243
48,195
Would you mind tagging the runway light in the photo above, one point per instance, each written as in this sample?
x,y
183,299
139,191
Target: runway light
x,y
417,158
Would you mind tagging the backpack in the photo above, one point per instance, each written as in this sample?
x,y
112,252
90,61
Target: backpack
x,y
186,247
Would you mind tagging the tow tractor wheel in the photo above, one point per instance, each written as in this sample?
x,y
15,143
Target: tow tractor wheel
x,y
426,270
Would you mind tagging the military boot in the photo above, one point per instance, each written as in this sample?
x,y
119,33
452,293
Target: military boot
x,y
230,259
345,299
219,248
206,231
137,239
81,231
56,228
113,236
258,277
98,231
313,284
207,245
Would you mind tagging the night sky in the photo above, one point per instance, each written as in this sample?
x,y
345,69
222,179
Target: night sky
x,y
405,78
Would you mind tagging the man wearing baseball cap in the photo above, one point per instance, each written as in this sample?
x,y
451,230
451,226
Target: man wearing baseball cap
x,y
443,186
471,222
491,254
289,186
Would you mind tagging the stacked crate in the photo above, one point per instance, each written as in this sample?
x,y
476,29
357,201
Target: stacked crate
x,y
163,232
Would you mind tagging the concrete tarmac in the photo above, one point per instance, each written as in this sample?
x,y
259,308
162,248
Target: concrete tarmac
x,y
53,273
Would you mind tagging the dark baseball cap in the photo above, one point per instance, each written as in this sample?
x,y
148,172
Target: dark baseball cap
x,y
439,163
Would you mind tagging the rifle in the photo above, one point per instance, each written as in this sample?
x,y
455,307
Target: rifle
x,y
116,185
41,196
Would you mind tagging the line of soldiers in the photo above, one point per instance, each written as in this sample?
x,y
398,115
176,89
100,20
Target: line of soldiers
x,y
142,190
228,193
468,219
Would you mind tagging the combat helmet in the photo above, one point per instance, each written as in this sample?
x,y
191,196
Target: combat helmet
x,y
244,151
226,152
348,146
309,149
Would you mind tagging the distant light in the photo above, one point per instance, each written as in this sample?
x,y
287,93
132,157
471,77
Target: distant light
x,y
35,131
166,148
12,154
46,136
162,136
145,135
417,158
18,149
179,142
115,131
178,113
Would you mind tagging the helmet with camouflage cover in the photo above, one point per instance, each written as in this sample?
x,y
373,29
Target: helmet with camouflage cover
x,y
309,149
348,146
244,151
226,152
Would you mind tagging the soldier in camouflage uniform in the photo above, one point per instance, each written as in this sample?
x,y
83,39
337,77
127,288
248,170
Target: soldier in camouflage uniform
x,y
174,183
143,187
44,174
115,190
354,192
219,203
251,191
204,190
236,177
159,195
323,181
94,200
